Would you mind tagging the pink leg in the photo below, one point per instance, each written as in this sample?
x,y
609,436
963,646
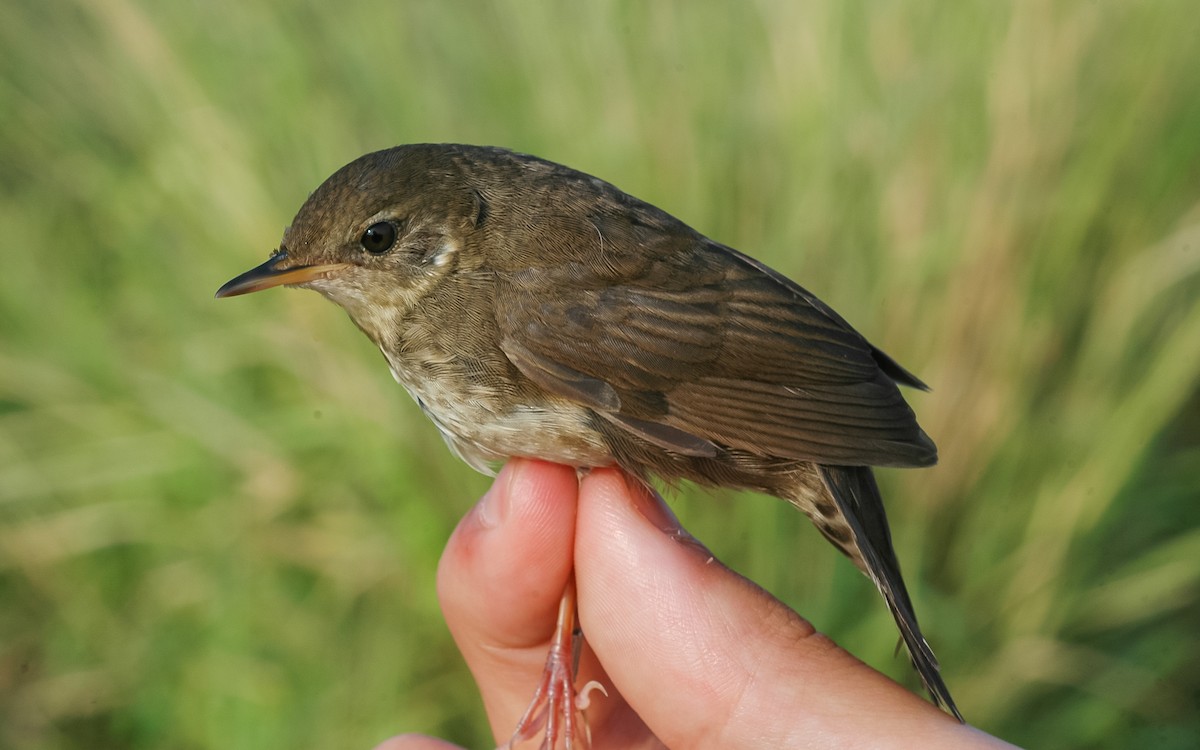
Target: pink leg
x,y
555,708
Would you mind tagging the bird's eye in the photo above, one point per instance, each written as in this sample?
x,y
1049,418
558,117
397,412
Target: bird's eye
x,y
379,238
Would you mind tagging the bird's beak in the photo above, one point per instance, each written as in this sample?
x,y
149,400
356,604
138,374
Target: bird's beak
x,y
270,274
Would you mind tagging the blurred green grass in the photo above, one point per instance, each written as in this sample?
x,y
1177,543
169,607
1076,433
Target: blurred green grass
x,y
219,522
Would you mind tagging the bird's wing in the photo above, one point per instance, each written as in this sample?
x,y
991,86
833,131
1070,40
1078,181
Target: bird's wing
x,y
692,345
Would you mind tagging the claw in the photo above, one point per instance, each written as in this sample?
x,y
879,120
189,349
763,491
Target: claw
x,y
582,701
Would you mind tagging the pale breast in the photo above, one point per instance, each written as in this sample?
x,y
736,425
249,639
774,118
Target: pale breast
x,y
484,432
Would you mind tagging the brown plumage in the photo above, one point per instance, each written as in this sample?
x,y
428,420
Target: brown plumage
x,y
533,310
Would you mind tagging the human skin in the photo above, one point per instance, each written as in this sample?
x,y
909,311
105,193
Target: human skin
x,y
692,654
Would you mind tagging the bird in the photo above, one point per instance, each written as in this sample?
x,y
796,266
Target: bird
x,y
533,310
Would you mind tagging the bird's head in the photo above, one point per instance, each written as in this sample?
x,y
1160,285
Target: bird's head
x,y
376,236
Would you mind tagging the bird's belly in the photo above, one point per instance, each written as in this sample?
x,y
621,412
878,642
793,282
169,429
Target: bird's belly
x,y
483,432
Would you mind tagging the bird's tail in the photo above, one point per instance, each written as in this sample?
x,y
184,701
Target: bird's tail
x,y
867,541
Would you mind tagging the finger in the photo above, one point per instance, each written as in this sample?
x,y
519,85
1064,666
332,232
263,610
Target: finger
x,y
500,581
707,658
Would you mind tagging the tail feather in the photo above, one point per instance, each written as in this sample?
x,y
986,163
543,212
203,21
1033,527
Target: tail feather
x,y
857,496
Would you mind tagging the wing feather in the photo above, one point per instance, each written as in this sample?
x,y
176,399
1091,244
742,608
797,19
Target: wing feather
x,y
699,346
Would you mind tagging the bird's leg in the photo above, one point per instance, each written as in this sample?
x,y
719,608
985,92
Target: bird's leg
x,y
555,707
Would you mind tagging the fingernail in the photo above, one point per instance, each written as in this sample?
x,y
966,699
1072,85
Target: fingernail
x,y
652,507
493,506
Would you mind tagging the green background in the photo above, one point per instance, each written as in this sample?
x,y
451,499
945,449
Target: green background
x,y
219,521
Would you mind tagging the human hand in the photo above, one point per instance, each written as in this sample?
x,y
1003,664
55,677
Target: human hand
x,y
692,654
